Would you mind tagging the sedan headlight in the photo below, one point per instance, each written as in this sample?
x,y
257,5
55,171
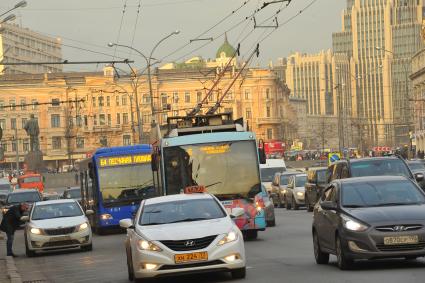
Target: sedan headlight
x,y
35,231
83,227
147,246
300,194
230,237
353,225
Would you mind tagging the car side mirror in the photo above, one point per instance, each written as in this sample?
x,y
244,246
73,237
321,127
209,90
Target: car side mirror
x,y
329,205
419,177
237,212
45,198
89,212
25,218
126,223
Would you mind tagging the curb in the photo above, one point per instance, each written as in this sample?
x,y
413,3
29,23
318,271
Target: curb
x,y
11,269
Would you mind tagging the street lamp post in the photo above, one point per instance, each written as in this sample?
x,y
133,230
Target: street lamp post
x,y
406,116
20,4
149,64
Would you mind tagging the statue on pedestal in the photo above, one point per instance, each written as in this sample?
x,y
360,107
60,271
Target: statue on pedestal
x,y
32,129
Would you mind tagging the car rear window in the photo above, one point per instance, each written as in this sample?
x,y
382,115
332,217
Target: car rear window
x,y
389,167
267,174
322,177
23,197
300,181
380,193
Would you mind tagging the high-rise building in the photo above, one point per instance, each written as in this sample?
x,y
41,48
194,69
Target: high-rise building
x,y
380,37
22,45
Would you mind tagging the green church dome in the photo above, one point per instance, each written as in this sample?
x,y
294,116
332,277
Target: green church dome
x,y
228,49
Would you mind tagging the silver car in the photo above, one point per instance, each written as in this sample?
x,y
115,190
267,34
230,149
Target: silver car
x,y
295,192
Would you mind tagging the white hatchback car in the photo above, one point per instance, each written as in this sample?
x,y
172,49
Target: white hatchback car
x,y
186,233
57,224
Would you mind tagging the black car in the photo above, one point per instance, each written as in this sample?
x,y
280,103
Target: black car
x,y
316,183
21,196
376,166
417,167
369,218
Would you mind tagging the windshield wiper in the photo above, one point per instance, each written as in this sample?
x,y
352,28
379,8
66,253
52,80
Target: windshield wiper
x,y
354,206
394,204
189,220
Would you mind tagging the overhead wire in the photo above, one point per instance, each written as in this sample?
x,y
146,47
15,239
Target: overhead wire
x,y
120,28
135,27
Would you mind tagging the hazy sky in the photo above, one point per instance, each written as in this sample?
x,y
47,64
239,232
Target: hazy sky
x,y
91,24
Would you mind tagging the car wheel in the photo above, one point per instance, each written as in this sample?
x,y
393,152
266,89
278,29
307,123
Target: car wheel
x,y
87,248
239,273
271,223
281,203
321,257
344,263
251,234
130,267
287,204
28,252
294,204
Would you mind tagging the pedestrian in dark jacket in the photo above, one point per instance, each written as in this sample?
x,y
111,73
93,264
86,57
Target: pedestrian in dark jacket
x,y
11,221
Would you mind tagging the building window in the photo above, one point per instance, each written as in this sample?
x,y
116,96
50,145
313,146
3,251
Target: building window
x,y
146,98
198,96
86,121
101,102
117,101
26,145
146,119
95,119
4,146
79,142
164,117
187,97
247,94
248,113
23,104
24,122
55,121
118,118
269,134
109,120
108,101
229,95
3,124
56,102
163,99
34,104
13,123
12,104
268,93
268,112
56,142
79,121
176,97
228,110
101,119
14,145
125,118
93,101
126,140
124,100
1,105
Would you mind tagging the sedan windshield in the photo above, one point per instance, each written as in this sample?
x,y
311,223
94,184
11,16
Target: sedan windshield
x,y
23,197
284,179
181,211
57,210
388,167
381,193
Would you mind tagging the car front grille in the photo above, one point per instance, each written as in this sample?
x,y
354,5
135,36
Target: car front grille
x,y
59,231
400,248
399,228
190,265
190,244
60,243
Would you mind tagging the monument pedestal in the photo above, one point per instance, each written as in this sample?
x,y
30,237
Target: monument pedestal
x,y
34,161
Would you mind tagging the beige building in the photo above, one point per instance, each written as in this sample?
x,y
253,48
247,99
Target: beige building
x,y
418,79
79,112
19,45
382,88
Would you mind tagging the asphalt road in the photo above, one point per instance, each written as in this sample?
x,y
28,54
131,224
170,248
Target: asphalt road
x,y
281,254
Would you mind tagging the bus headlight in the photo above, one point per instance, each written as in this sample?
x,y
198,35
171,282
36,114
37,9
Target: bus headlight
x,y
105,216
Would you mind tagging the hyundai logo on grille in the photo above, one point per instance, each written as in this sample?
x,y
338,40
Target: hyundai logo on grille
x,y
399,228
189,243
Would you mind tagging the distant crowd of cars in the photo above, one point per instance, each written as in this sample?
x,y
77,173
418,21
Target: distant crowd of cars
x,y
367,208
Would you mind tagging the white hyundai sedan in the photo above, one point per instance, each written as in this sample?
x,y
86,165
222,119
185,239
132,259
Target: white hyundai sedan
x,y
181,234
55,225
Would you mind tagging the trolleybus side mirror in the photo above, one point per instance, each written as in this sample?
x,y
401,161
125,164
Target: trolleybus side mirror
x,y
154,162
91,174
262,155
89,212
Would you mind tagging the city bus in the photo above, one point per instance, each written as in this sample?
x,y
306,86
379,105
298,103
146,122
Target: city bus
x,y
113,182
218,154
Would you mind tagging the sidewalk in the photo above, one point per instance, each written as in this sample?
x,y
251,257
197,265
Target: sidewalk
x,y
8,270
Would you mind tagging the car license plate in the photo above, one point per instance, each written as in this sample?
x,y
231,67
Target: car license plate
x,y
183,258
401,240
61,238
